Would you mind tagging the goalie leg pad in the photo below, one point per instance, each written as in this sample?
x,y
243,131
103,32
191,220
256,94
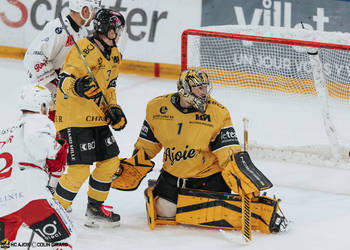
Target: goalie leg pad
x,y
150,207
220,210
132,171
151,211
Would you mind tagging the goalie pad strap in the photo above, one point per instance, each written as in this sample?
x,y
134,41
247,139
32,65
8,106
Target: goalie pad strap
x,y
168,185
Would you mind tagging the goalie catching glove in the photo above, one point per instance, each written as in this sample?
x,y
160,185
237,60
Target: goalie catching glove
x,y
132,171
241,175
115,117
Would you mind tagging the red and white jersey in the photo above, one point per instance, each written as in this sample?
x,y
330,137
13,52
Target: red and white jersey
x,y
24,148
45,55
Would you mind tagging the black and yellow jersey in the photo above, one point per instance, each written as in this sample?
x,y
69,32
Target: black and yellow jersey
x,y
196,145
73,110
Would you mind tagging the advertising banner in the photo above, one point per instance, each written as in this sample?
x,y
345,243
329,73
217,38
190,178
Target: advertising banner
x,y
323,15
154,27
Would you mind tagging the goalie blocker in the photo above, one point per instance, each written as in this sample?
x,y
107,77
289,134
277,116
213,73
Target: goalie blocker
x,y
243,177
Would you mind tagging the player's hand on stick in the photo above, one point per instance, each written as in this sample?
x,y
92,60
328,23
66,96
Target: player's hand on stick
x,y
86,88
58,164
115,117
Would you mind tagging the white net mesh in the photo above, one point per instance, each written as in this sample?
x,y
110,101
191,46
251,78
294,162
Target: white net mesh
x,y
278,65
275,61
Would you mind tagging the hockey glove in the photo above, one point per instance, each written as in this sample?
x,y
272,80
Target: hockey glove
x,y
132,171
241,175
58,164
115,117
86,88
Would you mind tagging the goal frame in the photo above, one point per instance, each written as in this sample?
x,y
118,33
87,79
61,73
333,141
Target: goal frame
x,y
188,32
331,156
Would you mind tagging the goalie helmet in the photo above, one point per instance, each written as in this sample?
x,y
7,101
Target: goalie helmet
x,y
194,78
33,96
106,19
78,5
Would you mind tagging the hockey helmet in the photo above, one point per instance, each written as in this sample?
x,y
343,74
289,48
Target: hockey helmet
x,y
106,19
194,78
78,5
33,96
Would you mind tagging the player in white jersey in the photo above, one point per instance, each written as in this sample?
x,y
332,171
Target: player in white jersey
x,y
29,151
45,55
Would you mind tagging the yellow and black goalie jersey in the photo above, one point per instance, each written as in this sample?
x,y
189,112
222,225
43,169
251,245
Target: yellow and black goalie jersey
x,y
195,144
73,110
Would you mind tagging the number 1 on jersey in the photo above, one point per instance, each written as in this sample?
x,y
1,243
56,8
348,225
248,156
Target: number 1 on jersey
x,y
180,127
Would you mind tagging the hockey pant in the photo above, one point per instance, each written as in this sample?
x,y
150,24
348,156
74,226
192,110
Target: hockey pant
x,y
99,181
214,210
46,217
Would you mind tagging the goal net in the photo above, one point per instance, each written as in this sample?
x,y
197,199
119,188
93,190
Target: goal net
x,y
276,61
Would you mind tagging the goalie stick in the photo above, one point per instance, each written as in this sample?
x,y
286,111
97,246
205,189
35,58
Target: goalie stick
x,y
103,101
246,212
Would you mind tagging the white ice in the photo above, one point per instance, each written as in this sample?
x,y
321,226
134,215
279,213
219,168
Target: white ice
x,y
316,200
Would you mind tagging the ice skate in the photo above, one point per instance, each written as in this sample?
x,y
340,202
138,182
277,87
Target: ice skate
x,y
97,216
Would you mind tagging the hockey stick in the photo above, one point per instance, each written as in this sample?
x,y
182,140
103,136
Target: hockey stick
x,y
31,240
322,91
102,103
246,219
246,212
245,130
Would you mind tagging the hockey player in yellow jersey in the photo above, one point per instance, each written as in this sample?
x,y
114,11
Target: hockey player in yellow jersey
x,y
85,110
202,163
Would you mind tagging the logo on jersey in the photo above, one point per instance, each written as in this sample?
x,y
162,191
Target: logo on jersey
x,y
87,146
58,30
90,47
92,118
144,130
51,229
163,109
203,117
175,156
228,135
69,42
3,143
163,117
216,103
11,196
109,140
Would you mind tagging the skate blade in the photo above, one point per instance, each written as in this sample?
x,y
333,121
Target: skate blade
x,y
95,223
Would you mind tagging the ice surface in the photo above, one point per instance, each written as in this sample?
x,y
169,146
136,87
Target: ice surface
x,y
316,200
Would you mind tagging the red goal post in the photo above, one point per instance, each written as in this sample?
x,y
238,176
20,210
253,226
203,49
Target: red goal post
x,y
196,42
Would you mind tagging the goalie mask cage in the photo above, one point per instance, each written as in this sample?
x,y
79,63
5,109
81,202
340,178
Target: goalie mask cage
x,y
260,59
